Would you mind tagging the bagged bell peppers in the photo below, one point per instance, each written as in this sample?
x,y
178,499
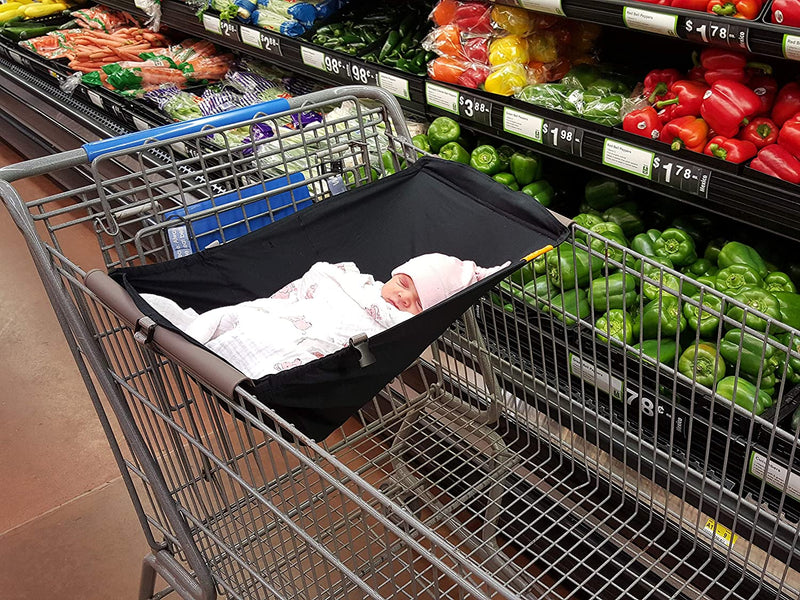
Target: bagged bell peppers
x,y
744,393
777,161
546,95
728,106
568,266
617,324
786,12
734,253
702,319
702,364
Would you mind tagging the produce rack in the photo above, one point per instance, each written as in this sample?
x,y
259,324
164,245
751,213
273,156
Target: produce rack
x,y
696,180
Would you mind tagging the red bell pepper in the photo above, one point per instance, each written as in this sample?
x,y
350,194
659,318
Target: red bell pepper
x,y
476,49
688,97
741,9
474,76
474,17
690,4
766,88
787,103
728,64
644,122
730,149
777,161
689,132
761,132
786,12
661,2
658,81
789,136
728,106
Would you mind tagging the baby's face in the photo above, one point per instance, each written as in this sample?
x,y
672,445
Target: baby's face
x,y
400,292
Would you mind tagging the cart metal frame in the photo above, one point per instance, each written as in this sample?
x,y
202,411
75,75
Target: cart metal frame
x,y
500,465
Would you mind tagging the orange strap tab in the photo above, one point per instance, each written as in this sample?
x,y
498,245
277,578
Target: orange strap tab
x,y
538,253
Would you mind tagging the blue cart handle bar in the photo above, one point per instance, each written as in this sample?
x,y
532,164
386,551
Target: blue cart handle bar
x,y
176,130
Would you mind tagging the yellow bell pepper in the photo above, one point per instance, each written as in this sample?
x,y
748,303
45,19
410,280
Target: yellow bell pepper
x,y
507,79
508,49
514,20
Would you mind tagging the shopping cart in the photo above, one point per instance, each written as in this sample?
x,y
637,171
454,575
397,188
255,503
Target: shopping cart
x,y
528,454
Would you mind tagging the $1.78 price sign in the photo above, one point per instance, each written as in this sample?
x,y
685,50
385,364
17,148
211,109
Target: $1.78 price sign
x,y
718,33
338,66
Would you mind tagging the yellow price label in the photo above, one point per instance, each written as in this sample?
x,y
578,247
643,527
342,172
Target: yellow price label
x,y
721,533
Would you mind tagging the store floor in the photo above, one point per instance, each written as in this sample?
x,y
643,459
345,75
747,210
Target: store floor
x,y
67,527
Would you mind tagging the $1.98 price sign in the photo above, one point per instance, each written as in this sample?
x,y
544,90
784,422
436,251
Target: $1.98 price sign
x,y
562,137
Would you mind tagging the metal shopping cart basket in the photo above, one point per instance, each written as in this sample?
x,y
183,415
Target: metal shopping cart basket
x,y
535,451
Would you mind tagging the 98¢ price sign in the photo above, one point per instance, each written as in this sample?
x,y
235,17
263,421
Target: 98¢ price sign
x,y
338,66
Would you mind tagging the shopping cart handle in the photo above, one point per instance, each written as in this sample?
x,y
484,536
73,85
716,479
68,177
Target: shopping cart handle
x,y
175,130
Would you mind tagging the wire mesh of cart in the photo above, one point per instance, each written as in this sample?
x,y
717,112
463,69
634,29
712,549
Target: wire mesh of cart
x,y
533,452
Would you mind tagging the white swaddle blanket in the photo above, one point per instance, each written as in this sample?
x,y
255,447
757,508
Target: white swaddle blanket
x,y
307,319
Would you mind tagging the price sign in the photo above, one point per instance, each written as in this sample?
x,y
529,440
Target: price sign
x,y
715,32
552,7
442,97
362,74
562,137
259,38
791,47
650,20
396,85
686,177
341,67
95,98
475,108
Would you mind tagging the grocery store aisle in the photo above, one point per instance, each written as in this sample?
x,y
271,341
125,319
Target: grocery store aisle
x,y
67,528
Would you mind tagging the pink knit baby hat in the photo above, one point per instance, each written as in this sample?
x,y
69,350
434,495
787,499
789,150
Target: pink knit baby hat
x,y
438,276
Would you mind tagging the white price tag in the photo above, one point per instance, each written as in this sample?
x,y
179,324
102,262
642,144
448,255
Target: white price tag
x,y
211,23
630,159
95,98
313,58
777,476
250,36
650,21
522,124
441,97
396,85
552,7
791,47
141,125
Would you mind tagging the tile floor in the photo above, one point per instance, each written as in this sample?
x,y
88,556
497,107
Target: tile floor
x,y
67,528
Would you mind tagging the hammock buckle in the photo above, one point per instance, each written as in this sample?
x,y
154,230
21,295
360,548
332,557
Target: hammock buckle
x,y
361,343
144,329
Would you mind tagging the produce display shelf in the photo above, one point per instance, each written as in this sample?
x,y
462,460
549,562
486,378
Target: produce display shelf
x,y
710,184
759,35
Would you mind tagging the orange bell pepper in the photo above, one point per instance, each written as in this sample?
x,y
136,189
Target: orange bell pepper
x,y
447,41
447,69
444,12
741,9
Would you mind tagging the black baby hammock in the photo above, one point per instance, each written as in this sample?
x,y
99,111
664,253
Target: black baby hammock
x,y
433,206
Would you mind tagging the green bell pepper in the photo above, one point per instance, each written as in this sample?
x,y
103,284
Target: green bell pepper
x,y
504,153
676,245
507,179
744,394
485,159
534,293
779,282
618,290
735,253
581,76
713,248
731,280
540,265
667,283
606,228
702,267
708,281
617,324
605,110
524,275
663,313
567,304
587,221
455,152
643,243
796,419
700,319
751,352
789,308
702,364
568,266
442,131
546,95
526,167
758,299
792,365
602,247
606,86
421,142
390,162
541,191
666,350
629,220
601,193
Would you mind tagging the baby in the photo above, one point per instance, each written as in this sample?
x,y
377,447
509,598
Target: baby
x,y
317,314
